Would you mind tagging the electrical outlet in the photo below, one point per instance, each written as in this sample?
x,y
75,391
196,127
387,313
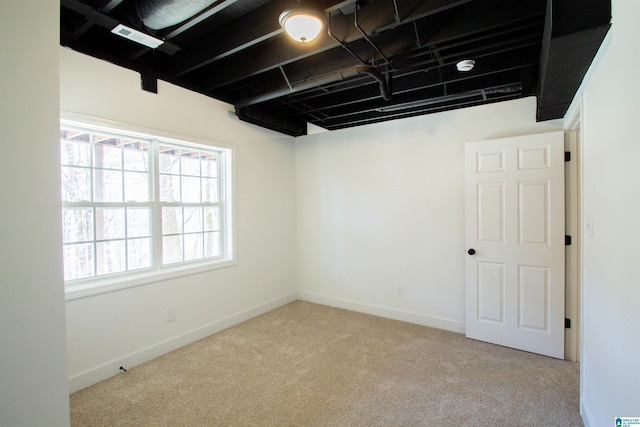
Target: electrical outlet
x,y
400,291
282,281
171,314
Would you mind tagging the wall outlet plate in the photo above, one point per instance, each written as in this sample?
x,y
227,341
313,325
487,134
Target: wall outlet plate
x,y
171,314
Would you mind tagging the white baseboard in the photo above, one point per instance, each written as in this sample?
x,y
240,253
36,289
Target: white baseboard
x,y
585,413
102,372
109,369
389,313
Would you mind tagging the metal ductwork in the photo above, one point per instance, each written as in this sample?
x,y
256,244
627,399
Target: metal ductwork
x,y
358,70
159,14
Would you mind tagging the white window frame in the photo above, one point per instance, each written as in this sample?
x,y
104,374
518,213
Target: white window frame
x,y
79,288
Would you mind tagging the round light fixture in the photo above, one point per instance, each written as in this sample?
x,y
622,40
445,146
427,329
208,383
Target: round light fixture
x,y
302,25
466,65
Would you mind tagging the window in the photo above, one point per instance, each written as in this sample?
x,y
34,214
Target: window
x,y
133,204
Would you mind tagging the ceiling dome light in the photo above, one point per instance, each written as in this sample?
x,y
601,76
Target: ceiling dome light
x,y
302,25
466,65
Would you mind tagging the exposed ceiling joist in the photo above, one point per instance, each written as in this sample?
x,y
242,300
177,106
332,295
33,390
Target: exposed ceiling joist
x,y
374,19
94,17
235,51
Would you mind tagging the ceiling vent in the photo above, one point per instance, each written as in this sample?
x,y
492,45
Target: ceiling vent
x,y
137,36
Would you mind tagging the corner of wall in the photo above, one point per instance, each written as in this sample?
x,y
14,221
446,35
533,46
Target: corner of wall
x,y
386,312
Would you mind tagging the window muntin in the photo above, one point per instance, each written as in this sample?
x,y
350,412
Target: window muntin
x,y
190,197
115,187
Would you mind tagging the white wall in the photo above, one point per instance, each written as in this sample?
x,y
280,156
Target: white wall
x,y
382,206
33,366
128,327
611,196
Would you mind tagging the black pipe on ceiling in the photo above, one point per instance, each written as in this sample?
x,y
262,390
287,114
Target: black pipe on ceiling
x,y
358,70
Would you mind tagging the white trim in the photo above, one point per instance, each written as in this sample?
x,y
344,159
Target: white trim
x,y
571,120
586,414
574,122
81,120
111,368
99,285
573,302
386,312
126,280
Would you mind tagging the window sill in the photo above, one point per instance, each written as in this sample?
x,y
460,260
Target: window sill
x,y
111,284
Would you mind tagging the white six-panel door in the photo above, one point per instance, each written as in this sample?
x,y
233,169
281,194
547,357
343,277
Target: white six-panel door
x,y
515,225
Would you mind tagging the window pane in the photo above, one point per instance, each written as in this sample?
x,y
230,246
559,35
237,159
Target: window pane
x,y
210,165
139,253
107,186
77,225
136,186
136,156
212,246
171,249
169,188
138,222
171,220
74,148
192,246
211,218
209,190
169,159
78,261
109,223
192,219
190,161
112,195
190,190
110,257
76,184
106,152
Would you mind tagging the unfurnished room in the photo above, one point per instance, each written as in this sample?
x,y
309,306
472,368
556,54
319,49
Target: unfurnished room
x,y
397,213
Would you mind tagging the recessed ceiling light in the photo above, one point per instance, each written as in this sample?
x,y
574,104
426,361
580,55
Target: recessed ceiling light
x,y
302,25
466,65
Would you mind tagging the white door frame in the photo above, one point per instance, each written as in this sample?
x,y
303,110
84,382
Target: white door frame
x,y
573,220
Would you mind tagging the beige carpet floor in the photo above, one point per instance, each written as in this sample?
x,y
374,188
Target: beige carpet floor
x,y
310,365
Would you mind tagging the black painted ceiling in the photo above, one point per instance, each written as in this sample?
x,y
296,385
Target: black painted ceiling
x,y
235,51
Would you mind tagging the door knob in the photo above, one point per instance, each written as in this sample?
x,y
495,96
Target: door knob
x,y
471,251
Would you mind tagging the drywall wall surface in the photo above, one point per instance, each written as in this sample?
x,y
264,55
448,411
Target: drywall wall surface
x,y
381,207
107,91
33,364
127,327
611,202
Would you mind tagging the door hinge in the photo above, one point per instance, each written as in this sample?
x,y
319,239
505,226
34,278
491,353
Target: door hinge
x,y
567,156
567,323
567,240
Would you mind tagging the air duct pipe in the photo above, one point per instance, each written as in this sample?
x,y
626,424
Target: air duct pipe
x,y
358,70
159,14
